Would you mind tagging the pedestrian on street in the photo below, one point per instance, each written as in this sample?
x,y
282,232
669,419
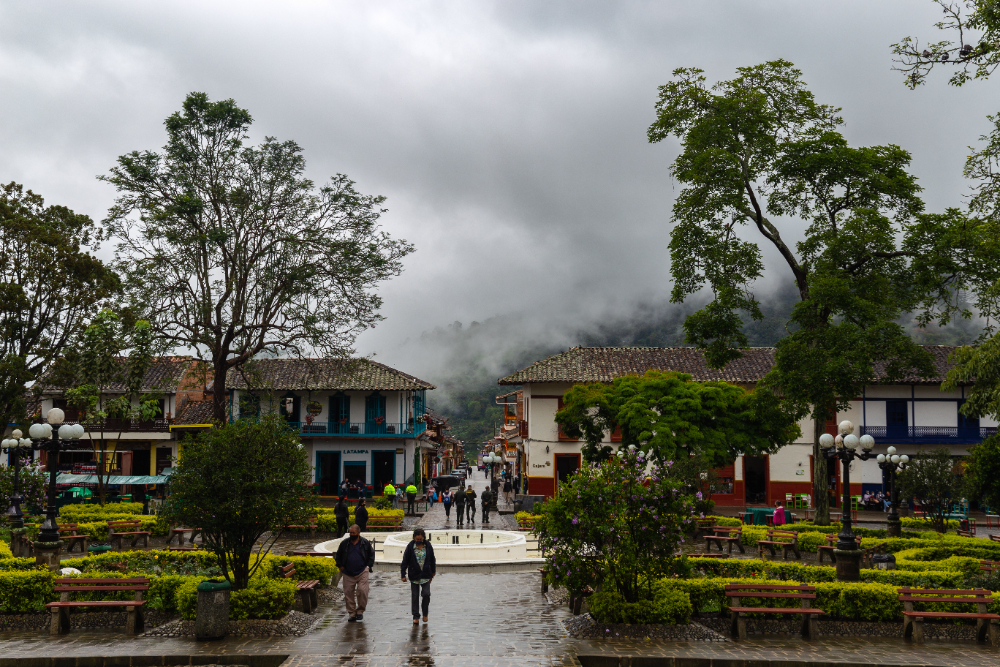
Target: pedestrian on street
x,y
446,501
390,492
486,498
460,506
420,566
432,496
342,513
399,499
344,488
411,499
508,487
355,558
361,515
470,505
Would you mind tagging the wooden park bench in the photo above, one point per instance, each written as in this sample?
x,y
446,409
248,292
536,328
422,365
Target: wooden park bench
x,y
995,537
119,530
704,527
179,534
305,589
830,547
989,566
728,534
810,626
60,610
779,538
913,621
310,526
866,558
73,537
388,522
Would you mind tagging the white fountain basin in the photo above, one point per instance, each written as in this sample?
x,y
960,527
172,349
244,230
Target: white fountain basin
x,y
455,550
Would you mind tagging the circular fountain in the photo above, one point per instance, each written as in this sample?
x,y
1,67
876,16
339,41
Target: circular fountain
x,y
456,550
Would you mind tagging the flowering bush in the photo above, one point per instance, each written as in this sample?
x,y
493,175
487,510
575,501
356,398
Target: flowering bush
x,y
618,523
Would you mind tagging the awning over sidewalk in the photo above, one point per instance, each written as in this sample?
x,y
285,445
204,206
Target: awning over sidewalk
x,y
66,478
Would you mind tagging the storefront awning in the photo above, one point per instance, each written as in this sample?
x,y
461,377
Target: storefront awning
x,y
65,478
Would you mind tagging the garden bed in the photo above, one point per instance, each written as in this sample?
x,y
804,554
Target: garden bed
x,y
79,619
832,627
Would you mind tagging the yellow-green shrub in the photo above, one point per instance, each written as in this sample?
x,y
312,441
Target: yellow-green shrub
x,y
264,598
672,607
25,591
78,513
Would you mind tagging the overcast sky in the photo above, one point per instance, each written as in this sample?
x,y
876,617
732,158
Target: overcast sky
x,y
509,137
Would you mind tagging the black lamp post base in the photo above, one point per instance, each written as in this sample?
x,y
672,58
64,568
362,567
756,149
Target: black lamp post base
x,y
47,554
894,528
848,564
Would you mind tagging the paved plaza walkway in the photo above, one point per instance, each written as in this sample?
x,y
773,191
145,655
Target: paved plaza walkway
x,y
489,620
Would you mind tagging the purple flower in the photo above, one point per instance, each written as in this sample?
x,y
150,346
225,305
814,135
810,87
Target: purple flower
x,y
698,495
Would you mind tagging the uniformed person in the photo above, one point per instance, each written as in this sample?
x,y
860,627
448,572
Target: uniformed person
x,y
486,498
470,505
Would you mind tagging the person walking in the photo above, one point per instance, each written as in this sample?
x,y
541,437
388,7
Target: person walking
x,y
486,498
361,515
345,486
342,513
446,501
390,492
400,499
355,558
470,505
420,566
508,487
459,501
411,499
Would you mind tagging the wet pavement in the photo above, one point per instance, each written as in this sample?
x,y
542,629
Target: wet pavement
x,y
485,620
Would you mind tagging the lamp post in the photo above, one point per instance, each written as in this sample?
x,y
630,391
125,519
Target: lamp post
x,y
894,464
45,437
844,447
15,446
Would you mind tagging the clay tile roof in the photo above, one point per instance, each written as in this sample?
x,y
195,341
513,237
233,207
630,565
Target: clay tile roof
x,y
323,374
164,375
195,412
603,364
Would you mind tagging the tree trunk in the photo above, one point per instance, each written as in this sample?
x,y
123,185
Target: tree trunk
x,y
219,408
821,491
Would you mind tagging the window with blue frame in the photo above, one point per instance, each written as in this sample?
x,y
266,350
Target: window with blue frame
x,y
291,416
896,419
340,413
375,413
968,427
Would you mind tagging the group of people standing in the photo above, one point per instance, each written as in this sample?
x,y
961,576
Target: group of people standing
x,y
464,501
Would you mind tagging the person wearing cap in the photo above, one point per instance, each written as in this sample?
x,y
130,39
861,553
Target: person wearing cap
x,y
470,504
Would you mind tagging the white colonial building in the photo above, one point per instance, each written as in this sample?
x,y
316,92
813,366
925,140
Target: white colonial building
x,y
912,415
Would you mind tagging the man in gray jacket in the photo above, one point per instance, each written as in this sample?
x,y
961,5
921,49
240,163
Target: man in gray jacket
x,y
355,558
460,506
486,498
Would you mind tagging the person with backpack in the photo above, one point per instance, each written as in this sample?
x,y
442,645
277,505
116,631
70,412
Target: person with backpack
x,y
446,501
459,501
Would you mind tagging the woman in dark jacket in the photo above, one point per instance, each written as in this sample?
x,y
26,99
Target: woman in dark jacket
x,y
342,513
420,566
361,515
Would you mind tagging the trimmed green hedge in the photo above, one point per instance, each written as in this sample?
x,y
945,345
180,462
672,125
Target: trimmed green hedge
x,y
85,513
669,606
326,520
22,592
926,524
264,598
798,572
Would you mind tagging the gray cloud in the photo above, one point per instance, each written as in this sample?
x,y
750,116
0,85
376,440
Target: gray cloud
x,y
509,137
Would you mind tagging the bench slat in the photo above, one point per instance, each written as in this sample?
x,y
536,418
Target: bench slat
x,y
942,591
70,580
947,614
88,589
908,598
99,603
772,610
781,587
746,594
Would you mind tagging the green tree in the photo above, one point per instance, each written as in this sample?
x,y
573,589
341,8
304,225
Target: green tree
x,y
675,418
759,146
614,524
242,484
49,285
974,53
109,367
933,479
235,253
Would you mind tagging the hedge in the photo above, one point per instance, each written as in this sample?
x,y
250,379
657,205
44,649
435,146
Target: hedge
x,y
926,524
855,601
81,513
26,591
326,520
672,607
264,598
5,551
791,571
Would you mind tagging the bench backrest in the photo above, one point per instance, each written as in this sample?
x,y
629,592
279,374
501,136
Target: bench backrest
x,y
804,593
989,565
65,586
288,571
123,524
908,596
67,527
731,531
833,539
774,535
995,537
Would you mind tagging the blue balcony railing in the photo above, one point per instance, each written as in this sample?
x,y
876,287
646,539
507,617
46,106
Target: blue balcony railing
x,y
928,434
361,429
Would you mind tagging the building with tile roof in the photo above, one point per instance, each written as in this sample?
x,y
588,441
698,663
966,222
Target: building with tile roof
x,y
911,414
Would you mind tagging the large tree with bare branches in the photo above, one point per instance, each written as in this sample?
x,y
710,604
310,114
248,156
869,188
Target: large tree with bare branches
x,y
232,252
759,155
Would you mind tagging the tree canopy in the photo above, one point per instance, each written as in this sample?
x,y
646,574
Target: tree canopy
x,y
49,284
672,417
233,252
242,482
758,151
